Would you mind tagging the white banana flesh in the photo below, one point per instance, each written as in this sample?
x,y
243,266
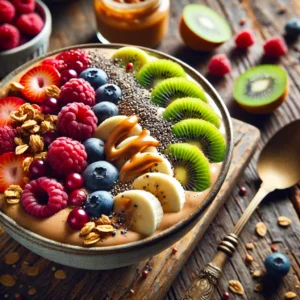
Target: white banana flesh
x,y
166,188
141,209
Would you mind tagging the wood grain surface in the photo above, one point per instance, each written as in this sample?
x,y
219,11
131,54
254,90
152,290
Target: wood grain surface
x,y
74,24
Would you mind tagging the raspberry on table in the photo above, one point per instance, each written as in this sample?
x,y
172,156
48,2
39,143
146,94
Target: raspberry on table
x,y
30,24
9,37
219,65
7,136
75,59
275,47
58,64
7,11
77,90
44,197
66,156
24,7
244,39
77,121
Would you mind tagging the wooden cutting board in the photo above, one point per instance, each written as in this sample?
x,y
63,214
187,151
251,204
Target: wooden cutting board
x,y
46,280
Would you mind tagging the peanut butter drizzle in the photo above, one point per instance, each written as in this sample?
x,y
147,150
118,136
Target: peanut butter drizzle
x,y
136,164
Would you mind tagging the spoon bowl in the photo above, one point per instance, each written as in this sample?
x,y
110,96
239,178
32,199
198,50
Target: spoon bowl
x,y
279,162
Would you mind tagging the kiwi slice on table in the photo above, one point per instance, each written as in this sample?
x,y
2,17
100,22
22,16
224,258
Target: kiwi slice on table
x,y
261,89
204,135
132,55
188,108
191,167
202,28
154,72
174,88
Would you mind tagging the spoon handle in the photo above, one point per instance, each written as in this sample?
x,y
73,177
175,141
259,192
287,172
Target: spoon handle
x,y
203,286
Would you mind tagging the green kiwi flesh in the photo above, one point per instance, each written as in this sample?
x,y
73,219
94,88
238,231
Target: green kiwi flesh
x,y
188,108
132,55
174,88
154,72
206,23
204,135
260,85
191,167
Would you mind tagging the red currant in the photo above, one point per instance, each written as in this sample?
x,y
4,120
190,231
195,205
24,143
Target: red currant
x,y
77,218
74,181
49,137
243,191
77,197
38,168
129,66
67,75
50,106
226,296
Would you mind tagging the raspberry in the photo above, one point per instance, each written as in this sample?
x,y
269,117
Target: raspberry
x,y
219,65
75,59
7,12
244,39
77,121
9,37
66,156
7,136
44,197
30,24
24,6
59,65
77,90
275,47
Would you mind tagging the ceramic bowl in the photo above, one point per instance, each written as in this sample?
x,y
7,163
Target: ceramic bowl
x,y
99,258
11,59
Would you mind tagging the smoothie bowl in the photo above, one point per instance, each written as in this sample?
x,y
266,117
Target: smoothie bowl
x,y
109,154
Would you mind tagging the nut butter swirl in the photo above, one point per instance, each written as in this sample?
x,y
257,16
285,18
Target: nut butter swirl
x,y
135,164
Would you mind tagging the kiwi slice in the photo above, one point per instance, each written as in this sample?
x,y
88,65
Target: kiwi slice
x,y
173,88
188,108
204,135
191,167
153,73
132,55
206,26
261,89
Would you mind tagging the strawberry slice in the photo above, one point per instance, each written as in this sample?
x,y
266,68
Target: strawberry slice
x,y
11,171
36,80
7,105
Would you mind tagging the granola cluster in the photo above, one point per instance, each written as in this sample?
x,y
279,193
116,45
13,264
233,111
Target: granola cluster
x,y
13,194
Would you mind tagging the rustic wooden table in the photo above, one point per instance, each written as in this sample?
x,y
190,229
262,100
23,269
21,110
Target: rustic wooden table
x,y
74,24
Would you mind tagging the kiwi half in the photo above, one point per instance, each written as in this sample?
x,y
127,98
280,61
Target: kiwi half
x,y
187,108
261,89
202,28
132,55
153,73
174,88
191,167
204,135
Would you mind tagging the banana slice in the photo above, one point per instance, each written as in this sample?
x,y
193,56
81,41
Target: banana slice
x,y
166,188
106,128
141,209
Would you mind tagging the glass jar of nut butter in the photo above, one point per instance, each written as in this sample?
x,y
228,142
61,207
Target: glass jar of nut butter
x,y
136,22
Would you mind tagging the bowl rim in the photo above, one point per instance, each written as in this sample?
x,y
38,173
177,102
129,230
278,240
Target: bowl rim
x,y
48,20
161,236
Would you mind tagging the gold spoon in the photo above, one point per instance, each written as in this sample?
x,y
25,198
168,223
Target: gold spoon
x,y
279,168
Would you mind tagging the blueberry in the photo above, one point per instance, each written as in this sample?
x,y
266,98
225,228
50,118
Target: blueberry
x,y
95,149
100,175
292,27
108,92
99,203
105,110
277,264
96,77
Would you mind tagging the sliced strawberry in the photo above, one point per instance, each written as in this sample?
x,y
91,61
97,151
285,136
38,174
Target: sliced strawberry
x,y
7,105
36,80
11,171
